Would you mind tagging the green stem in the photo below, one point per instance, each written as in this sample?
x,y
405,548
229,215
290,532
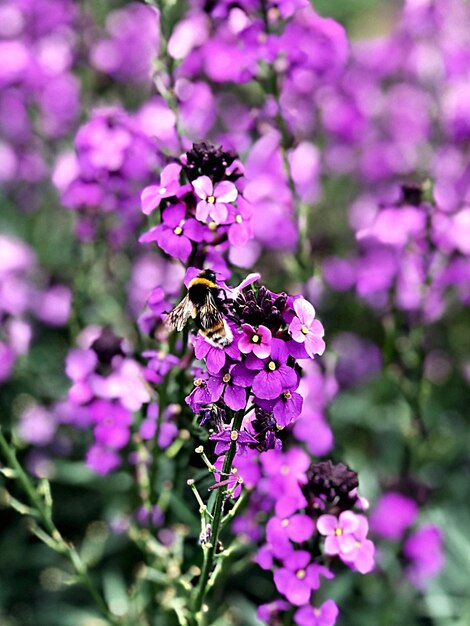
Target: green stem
x,y
216,525
45,515
167,92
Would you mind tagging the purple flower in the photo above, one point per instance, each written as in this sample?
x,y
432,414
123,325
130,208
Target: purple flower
x,y
285,409
257,341
213,199
199,396
175,234
101,459
225,439
112,424
275,376
241,230
80,363
169,187
424,550
125,383
216,357
361,557
297,579
231,383
393,514
37,426
53,305
339,532
128,50
268,612
306,329
160,363
325,615
288,524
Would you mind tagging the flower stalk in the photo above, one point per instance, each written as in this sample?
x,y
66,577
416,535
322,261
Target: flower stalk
x,y
211,548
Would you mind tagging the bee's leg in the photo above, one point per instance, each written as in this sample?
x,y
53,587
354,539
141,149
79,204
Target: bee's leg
x,y
222,296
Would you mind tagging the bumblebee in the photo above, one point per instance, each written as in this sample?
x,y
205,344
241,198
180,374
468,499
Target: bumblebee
x,y
203,304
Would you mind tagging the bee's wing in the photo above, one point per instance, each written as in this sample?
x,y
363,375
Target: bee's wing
x,y
209,314
178,317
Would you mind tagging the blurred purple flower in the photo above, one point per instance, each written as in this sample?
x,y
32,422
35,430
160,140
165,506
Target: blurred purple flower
x,y
325,615
393,514
113,423
424,550
37,426
101,459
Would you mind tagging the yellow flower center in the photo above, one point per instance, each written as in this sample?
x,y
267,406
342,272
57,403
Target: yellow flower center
x,y
226,378
304,329
316,611
287,395
255,339
284,470
357,544
198,382
211,199
234,435
238,219
338,532
301,574
162,190
284,523
178,230
212,226
272,366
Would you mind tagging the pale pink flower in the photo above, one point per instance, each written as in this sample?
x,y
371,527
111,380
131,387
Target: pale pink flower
x,y
306,329
213,199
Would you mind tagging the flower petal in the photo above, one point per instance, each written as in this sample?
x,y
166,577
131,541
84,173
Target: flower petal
x,y
203,187
202,210
150,198
225,191
267,386
327,524
300,528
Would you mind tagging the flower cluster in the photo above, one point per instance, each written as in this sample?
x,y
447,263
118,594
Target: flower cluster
x,y
257,376
393,518
286,52
107,388
39,95
209,210
25,293
116,153
395,117
127,49
313,523
272,333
